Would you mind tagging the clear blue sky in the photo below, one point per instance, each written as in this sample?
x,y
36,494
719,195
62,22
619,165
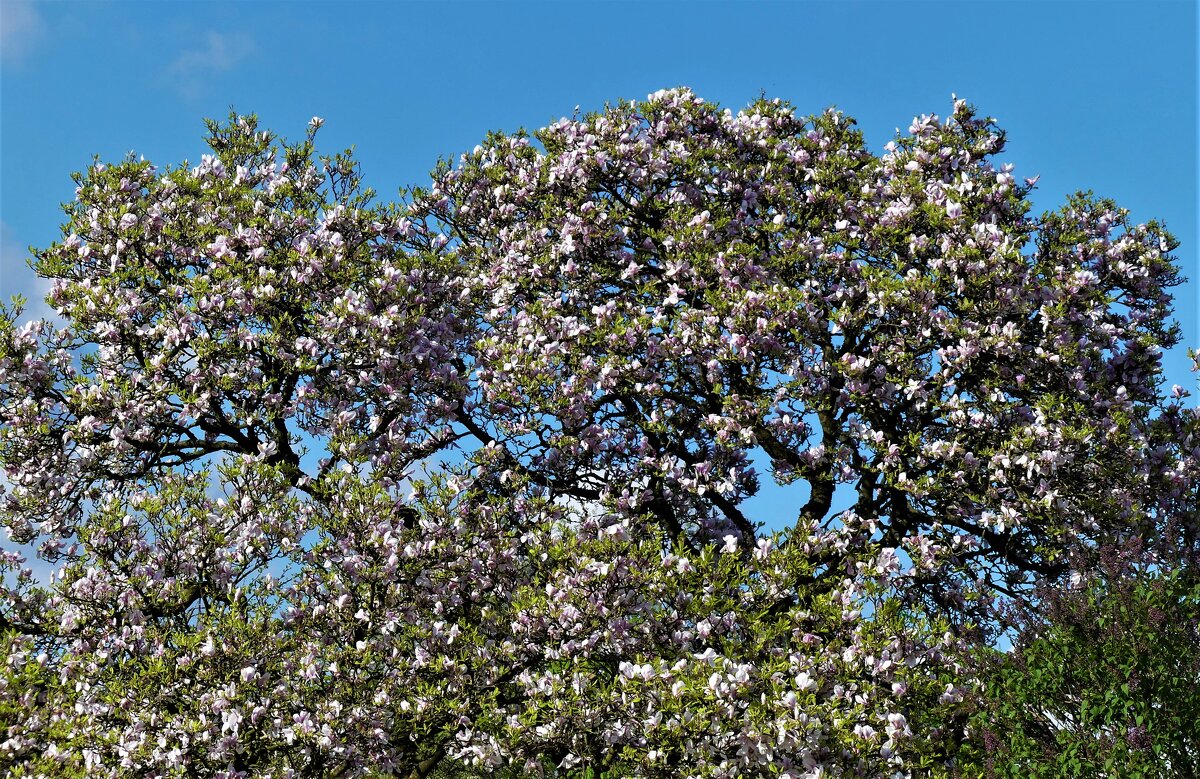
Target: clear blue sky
x,y
1094,95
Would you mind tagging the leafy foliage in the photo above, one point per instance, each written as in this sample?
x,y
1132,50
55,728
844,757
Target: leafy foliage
x,y
1105,680
341,488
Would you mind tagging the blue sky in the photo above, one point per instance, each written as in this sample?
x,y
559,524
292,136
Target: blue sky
x,y
1095,95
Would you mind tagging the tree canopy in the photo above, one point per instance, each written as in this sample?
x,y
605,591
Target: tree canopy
x,y
338,487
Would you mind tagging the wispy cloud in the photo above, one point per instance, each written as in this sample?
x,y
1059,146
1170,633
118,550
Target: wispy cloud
x,y
16,278
13,272
220,53
21,29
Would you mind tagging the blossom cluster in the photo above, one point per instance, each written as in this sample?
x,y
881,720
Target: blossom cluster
x,y
340,488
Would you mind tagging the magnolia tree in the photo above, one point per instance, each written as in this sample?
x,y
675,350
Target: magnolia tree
x,y
336,488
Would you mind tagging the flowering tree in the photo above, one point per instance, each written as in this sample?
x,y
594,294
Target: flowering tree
x,y
337,488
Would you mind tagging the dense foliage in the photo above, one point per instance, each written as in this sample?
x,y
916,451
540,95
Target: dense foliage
x,y
1104,680
338,488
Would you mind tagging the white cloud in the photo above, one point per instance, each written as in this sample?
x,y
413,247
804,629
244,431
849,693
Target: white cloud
x,y
219,53
17,278
21,29
11,253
